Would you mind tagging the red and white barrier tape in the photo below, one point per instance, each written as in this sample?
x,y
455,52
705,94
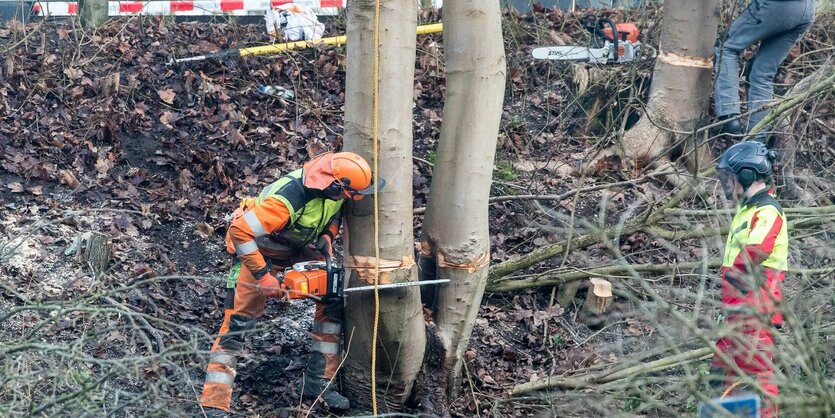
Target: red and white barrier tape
x,y
188,7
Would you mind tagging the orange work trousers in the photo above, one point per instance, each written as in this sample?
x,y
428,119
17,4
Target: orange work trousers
x,y
243,306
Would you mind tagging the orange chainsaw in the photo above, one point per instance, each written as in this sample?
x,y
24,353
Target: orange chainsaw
x,y
321,281
616,43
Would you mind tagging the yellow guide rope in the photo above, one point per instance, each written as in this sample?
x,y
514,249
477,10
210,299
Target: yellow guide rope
x,y
730,389
375,139
333,40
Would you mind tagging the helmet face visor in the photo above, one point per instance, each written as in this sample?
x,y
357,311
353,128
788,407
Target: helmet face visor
x,y
335,191
728,181
355,194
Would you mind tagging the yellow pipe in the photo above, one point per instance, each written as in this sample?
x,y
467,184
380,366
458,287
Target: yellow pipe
x,y
333,40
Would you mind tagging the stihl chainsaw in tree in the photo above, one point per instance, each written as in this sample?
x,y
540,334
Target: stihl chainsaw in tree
x,y
617,43
320,280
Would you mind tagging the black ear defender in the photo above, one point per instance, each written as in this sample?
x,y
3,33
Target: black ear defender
x,y
746,177
333,191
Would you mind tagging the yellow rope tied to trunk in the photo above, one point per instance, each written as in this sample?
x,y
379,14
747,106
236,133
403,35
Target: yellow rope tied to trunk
x,y
730,389
375,139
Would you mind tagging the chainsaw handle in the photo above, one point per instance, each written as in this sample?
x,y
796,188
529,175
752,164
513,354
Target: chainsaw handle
x,y
328,266
600,26
328,261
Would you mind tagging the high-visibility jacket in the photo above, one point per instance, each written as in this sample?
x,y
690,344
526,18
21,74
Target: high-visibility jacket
x,y
284,217
757,251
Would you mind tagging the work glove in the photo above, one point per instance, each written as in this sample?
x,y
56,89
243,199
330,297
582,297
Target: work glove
x,y
268,286
325,244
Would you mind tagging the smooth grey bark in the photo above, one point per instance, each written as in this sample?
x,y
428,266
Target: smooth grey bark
x,y
456,243
402,337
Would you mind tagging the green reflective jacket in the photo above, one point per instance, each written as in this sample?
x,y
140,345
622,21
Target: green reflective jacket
x,y
309,214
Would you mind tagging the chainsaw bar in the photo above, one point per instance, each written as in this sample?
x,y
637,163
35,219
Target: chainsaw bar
x,y
571,53
395,285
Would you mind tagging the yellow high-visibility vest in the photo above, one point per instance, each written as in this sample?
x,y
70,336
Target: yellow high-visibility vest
x,y
753,225
309,215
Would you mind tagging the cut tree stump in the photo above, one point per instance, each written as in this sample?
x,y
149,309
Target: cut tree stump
x,y
94,250
111,84
598,300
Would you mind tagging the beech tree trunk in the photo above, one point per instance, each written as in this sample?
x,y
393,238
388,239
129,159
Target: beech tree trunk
x,y
681,82
402,337
455,244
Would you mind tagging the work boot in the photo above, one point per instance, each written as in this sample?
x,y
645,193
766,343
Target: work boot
x,y
335,400
731,127
316,387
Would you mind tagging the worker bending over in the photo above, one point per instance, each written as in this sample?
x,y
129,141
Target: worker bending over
x,y
753,268
777,25
267,235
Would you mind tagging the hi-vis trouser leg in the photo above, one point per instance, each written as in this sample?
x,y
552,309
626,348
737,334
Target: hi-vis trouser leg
x,y
751,347
325,347
243,306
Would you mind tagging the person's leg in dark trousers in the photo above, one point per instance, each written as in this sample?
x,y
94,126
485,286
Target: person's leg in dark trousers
x,y
771,53
763,19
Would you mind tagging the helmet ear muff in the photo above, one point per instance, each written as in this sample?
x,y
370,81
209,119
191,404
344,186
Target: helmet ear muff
x,y
333,191
746,177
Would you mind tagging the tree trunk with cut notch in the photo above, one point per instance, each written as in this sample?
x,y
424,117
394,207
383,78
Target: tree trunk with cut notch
x,y
681,85
456,244
402,333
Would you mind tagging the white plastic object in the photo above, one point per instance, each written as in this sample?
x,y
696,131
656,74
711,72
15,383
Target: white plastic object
x,y
296,22
309,266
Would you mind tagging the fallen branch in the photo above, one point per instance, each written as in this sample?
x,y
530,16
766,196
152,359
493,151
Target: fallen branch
x,y
552,278
683,234
821,210
650,217
790,103
582,381
572,274
563,196
570,193
706,231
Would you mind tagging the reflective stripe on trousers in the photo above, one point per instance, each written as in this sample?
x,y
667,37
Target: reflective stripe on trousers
x,y
243,306
326,343
220,376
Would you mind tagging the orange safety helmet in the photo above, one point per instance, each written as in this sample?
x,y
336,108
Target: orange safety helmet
x,y
343,172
